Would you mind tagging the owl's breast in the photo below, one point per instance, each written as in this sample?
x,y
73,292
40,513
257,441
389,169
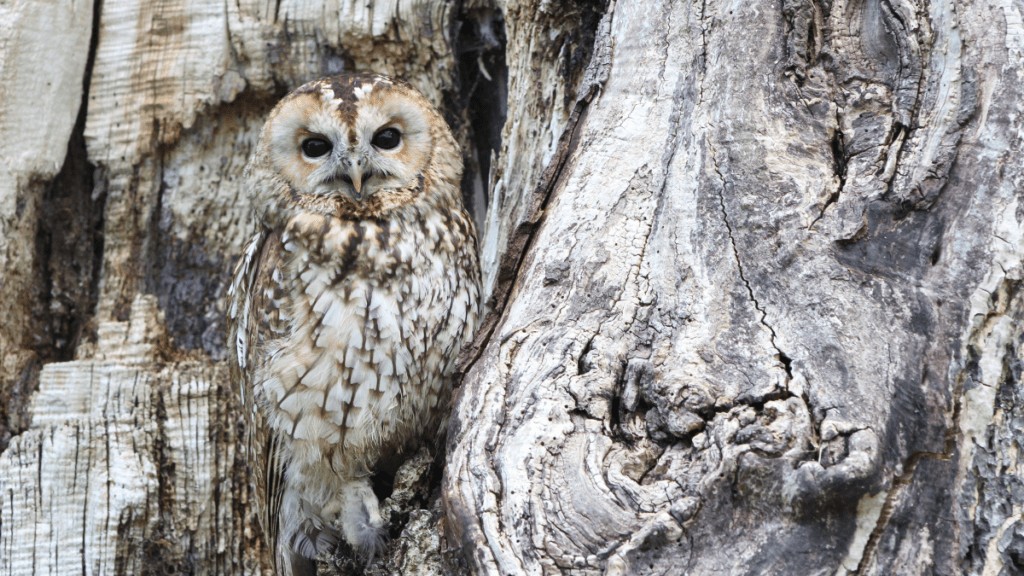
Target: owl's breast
x,y
377,313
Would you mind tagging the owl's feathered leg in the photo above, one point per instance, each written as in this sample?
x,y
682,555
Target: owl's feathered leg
x,y
359,517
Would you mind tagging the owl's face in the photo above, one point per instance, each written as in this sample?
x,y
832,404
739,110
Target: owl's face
x,y
351,137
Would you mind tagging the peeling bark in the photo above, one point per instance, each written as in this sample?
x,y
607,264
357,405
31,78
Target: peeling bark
x,y
752,271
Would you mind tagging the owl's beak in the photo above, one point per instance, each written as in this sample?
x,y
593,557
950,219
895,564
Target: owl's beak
x,y
355,173
352,173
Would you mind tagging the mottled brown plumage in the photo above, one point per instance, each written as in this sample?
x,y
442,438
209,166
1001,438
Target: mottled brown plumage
x,y
349,305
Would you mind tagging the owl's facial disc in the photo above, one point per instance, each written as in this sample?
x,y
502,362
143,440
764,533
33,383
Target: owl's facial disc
x,y
353,142
362,162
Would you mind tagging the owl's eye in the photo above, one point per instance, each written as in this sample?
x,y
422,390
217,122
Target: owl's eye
x,y
387,138
315,147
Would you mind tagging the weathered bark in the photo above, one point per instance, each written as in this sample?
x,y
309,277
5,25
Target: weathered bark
x,y
770,322
754,270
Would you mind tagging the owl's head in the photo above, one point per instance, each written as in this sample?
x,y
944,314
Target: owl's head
x,y
358,139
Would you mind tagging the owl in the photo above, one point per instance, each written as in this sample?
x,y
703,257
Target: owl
x,y
349,305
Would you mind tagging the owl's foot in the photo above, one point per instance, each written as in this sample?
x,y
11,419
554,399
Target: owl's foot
x,y
360,520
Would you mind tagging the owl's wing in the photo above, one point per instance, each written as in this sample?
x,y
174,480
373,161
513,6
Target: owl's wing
x,y
254,319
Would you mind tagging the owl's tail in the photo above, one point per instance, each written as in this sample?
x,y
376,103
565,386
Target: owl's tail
x,y
314,537
297,565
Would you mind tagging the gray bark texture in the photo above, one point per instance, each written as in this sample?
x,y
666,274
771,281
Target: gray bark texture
x,y
753,269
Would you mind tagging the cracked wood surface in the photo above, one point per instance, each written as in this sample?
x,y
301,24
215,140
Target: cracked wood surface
x,y
770,321
131,463
32,149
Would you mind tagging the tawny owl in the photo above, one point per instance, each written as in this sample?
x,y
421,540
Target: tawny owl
x,y
349,305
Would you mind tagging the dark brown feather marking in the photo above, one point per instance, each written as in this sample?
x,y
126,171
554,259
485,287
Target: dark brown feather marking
x,y
351,254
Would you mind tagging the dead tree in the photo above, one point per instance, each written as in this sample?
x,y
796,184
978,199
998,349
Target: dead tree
x,y
753,270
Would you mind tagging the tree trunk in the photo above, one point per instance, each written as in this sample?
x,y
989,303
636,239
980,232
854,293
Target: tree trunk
x,y
769,319
753,273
